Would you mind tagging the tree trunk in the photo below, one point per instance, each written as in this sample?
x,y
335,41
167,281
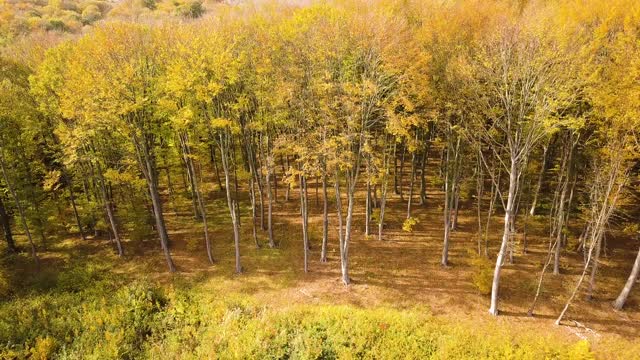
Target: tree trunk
x,y
598,235
559,234
411,182
479,195
305,220
494,195
149,171
252,196
23,217
325,215
72,199
594,269
624,294
367,209
215,167
536,192
401,175
160,225
447,210
231,203
423,175
5,222
495,286
341,239
108,206
268,161
395,168
288,188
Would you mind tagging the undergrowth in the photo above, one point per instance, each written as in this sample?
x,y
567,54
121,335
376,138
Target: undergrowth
x,y
90,315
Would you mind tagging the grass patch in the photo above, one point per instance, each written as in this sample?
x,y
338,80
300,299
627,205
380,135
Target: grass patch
x,y
98,317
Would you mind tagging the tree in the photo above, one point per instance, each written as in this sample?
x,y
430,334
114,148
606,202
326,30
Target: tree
x,y
112,80
518,84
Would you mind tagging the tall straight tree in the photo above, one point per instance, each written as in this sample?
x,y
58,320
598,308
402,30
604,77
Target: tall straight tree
x,y
516,79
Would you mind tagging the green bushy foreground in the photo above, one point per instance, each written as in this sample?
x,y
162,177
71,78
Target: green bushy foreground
x,y
99,319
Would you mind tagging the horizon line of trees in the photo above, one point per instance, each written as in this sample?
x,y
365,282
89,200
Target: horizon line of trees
x,y
533,111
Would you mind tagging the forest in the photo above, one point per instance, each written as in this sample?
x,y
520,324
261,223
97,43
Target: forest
x,y
319,179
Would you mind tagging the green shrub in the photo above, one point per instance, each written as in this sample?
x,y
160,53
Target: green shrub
x,y
192,9
482,274
141,321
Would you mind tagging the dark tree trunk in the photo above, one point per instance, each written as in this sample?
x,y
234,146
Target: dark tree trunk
x,y
23,217
411,183
215,166
5,222
109,208
72,199
149,171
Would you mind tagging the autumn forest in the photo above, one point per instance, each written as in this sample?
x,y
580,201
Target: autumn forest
x,y
319,180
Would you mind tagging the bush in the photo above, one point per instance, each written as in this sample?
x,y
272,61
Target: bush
x,y
482,275
191,9
409,224
91,14
141,321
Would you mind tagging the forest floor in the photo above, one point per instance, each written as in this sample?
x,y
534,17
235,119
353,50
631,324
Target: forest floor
x,y
402,271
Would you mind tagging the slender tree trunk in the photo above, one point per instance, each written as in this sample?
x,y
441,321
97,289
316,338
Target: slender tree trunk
x,y
5,222
275,181
395,168
494,195
317,190
401,175
559,233
72,199
23,217
456,205
624,294
231,203
347,233
594,269
288,188
252,196
149,171
580,280
411,183
447,210
479,196
268,161
536,192
202,208
160,225
305,220
542,273
325,215
341,238
108,206
367,211
215,166
495,286
383,188
423,176
258,163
